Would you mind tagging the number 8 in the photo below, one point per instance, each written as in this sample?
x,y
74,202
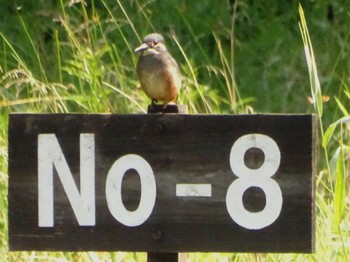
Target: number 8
x,y
260,177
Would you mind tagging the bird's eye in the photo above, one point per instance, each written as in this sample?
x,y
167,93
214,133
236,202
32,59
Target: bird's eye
x,y
155,42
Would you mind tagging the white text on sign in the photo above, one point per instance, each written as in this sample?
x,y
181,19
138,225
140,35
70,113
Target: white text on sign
x,y
83,203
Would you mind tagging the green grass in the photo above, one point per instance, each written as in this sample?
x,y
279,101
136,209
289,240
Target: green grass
x,y
235,57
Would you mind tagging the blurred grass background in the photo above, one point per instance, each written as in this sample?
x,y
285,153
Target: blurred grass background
x,y
235,57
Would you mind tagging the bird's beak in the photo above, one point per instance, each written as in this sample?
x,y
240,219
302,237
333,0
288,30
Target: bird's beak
x,y
142,47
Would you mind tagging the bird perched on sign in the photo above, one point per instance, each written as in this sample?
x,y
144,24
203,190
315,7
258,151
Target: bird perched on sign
x,y
157,70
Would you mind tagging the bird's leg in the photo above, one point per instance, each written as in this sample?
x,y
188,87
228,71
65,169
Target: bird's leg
x,y
154,101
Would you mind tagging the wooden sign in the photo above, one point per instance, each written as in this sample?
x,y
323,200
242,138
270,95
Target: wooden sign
x,y
162,183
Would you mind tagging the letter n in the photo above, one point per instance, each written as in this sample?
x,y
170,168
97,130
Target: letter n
x,y
50,155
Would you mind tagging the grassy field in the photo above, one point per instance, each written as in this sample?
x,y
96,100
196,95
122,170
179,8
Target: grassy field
x,y
235,57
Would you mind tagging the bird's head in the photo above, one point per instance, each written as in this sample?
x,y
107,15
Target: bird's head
x,y
152,44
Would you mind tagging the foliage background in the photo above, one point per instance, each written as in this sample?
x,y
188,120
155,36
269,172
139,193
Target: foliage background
x,y
235,57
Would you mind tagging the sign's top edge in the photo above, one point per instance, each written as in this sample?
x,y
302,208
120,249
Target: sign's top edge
x,y
168,114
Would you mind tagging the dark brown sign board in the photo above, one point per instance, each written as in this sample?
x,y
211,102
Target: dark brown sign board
x,y
162,182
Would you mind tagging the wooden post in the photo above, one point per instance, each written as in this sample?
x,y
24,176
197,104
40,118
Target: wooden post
x,y
169,257
160,257
172,108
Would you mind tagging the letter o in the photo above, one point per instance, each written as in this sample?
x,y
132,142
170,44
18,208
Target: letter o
x,y
114,190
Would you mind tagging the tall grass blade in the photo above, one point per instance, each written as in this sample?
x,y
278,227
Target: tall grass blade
x,y
338,167
330,130
311,63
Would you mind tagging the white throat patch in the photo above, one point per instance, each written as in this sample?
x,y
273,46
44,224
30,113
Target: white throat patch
x,y
150,51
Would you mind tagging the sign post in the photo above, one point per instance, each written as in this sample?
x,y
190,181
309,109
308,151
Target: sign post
x,y
170,257
163,183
